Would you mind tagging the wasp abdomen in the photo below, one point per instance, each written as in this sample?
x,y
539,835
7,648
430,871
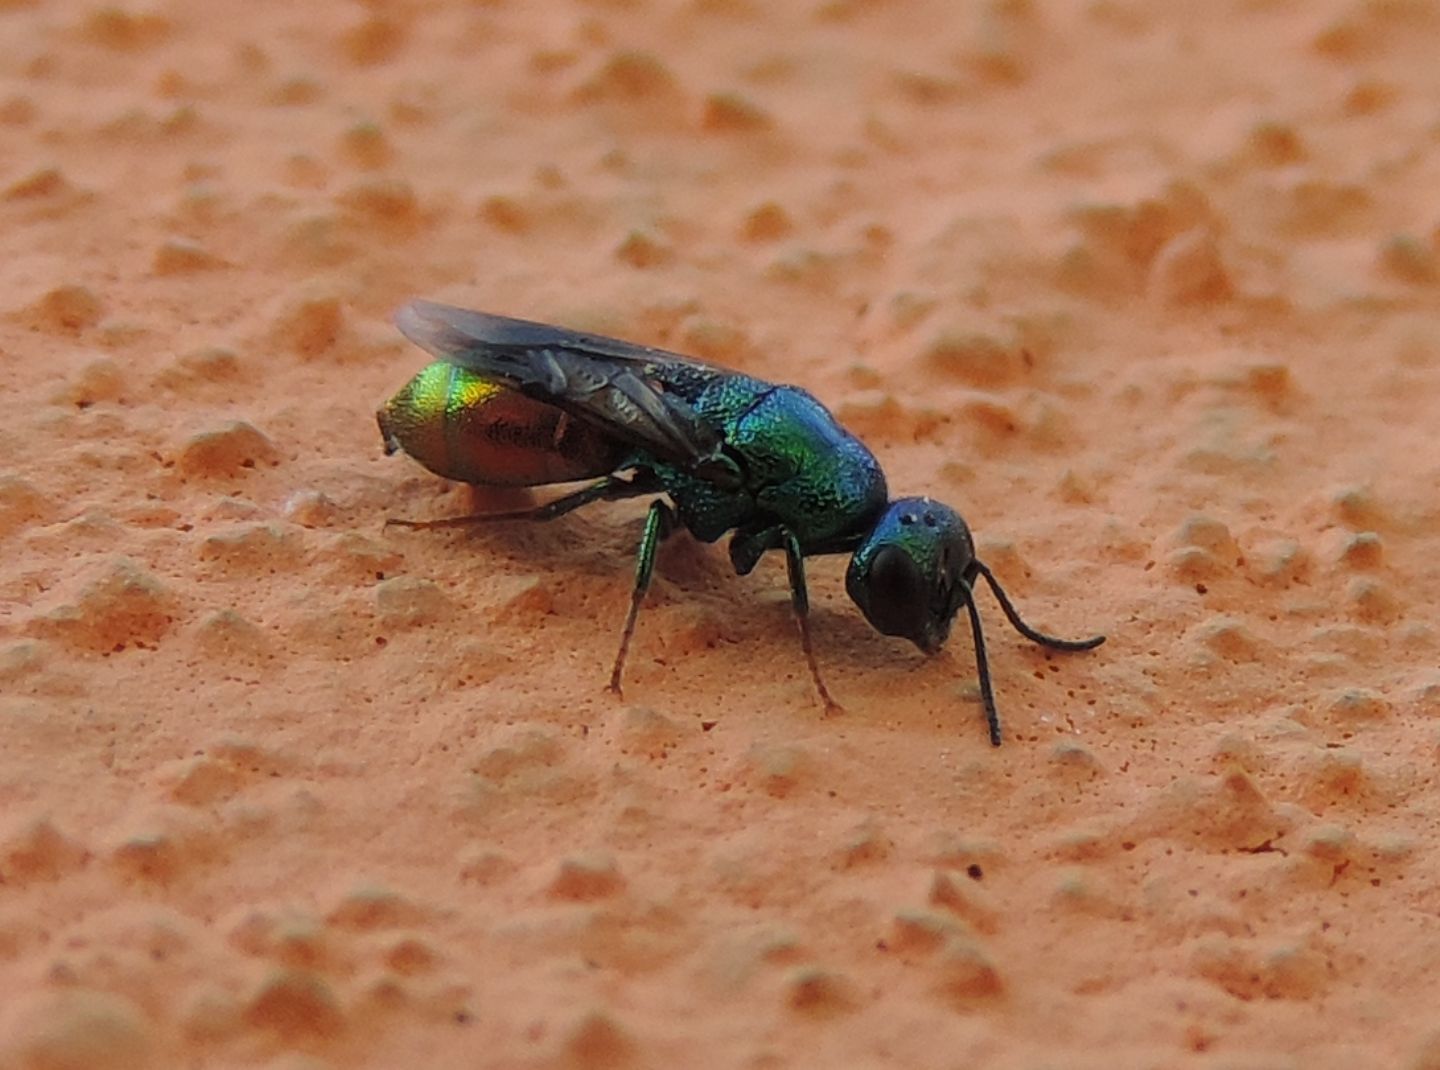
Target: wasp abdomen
x,y
467,427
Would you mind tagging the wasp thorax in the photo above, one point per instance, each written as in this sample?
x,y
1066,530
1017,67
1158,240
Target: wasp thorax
x,y
908,575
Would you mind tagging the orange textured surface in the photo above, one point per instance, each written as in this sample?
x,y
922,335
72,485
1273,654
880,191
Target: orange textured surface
x,y
1150,293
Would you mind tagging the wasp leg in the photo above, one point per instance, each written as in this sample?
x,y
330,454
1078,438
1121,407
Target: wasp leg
x,y
611,488
1025,629
659,523
800,602
982,666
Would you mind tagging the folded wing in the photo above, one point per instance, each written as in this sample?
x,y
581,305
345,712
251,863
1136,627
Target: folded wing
x,y
627,390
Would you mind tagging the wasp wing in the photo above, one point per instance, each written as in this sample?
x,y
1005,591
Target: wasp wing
x,y
633,392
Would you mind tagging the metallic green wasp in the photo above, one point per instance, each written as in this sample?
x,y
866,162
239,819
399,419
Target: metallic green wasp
x,y
515,403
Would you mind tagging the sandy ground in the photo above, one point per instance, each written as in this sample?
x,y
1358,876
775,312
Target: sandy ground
x,y
1147,289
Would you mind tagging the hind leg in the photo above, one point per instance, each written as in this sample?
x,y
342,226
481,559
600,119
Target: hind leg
x,y
609,489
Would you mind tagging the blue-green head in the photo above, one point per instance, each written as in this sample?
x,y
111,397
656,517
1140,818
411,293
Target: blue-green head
x,y
913,572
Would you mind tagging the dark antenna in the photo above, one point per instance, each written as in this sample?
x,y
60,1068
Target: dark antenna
x,y
1025,629
982,663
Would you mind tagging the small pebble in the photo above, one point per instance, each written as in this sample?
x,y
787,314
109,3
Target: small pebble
x,y
79,1029
181,256
68,309
816,992
733,113
295,1004
226,451
768,222
598,1041
582,879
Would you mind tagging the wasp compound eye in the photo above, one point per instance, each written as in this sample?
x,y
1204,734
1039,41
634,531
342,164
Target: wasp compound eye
x,y
906,574
891,592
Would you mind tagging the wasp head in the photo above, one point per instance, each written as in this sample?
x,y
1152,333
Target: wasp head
x,y
912,573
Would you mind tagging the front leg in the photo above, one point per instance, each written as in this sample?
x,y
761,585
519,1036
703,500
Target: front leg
x,y
800,602
748,545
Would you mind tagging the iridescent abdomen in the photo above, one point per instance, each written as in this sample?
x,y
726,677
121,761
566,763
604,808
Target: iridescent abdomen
x,y
465,427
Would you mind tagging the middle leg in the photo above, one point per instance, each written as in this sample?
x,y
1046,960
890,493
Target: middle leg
x,y
659,523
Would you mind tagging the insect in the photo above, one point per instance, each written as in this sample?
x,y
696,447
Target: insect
x,y
516,403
